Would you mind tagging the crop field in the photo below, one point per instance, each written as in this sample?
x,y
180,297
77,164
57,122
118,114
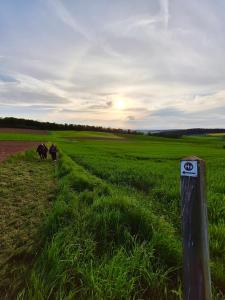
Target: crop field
x,y
7,148
222,135
112,229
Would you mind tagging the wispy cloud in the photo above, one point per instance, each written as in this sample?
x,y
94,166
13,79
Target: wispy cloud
x,y
165,12
131,118
127,25
25,89
106,105
67,18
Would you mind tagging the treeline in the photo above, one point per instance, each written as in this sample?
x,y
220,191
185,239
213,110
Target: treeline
x,y
193,131
10,122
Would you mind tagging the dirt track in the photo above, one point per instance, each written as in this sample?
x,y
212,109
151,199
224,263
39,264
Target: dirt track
x,y
8,148
20,130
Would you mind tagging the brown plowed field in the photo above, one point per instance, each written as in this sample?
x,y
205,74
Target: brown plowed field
x,y
20,130
8,148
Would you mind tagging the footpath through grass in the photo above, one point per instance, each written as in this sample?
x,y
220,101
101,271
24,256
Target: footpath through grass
x,y
27,188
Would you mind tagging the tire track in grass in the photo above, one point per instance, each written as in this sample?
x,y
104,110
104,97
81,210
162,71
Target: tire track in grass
x,y
27,187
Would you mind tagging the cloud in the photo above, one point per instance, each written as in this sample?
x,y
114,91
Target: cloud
x,y
23,89
167,112
106,105
149,19
131,118
126,26
165,12
68,19
164,59
18,96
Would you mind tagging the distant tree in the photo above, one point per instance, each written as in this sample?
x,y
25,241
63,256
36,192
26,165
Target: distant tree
x,y
11,122
192,131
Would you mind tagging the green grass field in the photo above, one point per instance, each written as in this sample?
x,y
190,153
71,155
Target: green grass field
x,y
113,231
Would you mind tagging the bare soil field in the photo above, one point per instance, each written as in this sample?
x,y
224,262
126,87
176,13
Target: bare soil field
x,y
21,130
8,148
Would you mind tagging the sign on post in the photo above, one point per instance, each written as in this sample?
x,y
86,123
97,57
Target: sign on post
x,y
197,281
189,168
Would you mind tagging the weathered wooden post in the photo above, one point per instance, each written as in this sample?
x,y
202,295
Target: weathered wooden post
x,y
197,281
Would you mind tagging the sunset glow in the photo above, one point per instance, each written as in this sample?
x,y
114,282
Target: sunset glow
x,y
153,64
120,104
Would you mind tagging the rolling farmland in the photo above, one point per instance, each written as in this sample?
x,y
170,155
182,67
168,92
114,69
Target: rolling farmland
x,y
112,229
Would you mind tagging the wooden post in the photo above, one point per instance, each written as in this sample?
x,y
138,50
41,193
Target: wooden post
x,y
197,281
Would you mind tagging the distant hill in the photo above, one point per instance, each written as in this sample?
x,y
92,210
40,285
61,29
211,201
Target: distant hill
x,y
177,133
10,122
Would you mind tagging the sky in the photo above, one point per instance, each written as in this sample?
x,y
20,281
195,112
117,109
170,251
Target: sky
x,y
135,64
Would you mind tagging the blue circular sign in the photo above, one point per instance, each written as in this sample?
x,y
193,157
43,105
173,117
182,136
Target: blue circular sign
x,y
188,166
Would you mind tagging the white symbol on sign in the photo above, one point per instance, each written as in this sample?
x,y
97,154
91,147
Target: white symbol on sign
x,y
189,168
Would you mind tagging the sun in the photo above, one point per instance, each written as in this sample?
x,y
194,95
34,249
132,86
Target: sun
x,y
119,104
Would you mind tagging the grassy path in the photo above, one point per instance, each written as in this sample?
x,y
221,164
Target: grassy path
x,y
27,187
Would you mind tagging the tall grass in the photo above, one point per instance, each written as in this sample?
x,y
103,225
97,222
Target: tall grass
x,y
101,244
149,169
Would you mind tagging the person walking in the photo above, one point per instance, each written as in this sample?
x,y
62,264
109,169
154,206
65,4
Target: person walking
x,y
45,151
53,152
40,151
